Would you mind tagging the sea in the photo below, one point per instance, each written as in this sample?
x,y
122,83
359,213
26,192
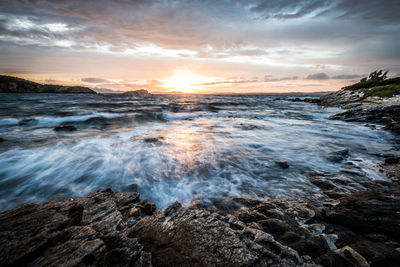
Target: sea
x,y
175,147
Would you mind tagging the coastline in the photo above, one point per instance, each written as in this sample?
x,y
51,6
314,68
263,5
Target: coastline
x,y
352,221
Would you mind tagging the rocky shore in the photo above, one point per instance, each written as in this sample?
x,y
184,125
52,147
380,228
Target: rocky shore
x,y
351,221
106,228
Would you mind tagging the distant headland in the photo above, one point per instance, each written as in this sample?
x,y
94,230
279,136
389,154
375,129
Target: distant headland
x,y
138,92
9,84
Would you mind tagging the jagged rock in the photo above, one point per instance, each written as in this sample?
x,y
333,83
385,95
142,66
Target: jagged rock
x,y
375,211
379,253
65,128
388,116
181,236
72,232
342,98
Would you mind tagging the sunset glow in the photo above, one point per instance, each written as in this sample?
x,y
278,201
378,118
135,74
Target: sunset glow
x,y
199,46
184,80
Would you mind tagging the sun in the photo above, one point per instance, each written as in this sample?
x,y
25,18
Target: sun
x,y
184,80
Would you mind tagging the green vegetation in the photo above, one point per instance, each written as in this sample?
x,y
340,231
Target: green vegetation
x,y
377,84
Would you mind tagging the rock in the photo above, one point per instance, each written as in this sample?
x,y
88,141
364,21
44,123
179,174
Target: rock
x,y
386,115
90,230
314,246
380,254
338,156
283,164
274,227
342,98
289,238
65,128
27,122
392,160
308,100
374,211
332,259
180,236
1,140
352,256
153,140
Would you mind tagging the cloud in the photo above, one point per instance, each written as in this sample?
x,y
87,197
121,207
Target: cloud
x,y
94,80
228,82
283,37
318,76
126,85
348,76
373,10
269,79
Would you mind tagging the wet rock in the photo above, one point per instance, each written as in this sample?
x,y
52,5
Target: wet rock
x,y
348,181
392,160
386,115
333,259
374,211
314,246
308,100
380,254
344,235
352,256
283,164
197,237
2,140
133,188
274,227
72,232
147,207
65,128
289,238
153,140
338,156
27,122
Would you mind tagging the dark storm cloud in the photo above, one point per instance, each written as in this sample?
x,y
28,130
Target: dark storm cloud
x,y
318,76
176,24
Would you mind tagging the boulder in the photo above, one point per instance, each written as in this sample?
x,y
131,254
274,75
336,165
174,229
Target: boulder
x,y
374,211
72,232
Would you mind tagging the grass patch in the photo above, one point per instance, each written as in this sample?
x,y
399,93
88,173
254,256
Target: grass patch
x,y
382,91
371,84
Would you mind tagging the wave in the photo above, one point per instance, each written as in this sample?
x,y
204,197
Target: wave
x,y
51,121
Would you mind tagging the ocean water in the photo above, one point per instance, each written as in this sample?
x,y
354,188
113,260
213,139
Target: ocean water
x,y
173,147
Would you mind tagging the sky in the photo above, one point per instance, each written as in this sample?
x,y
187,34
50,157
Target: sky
x,y
200,46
